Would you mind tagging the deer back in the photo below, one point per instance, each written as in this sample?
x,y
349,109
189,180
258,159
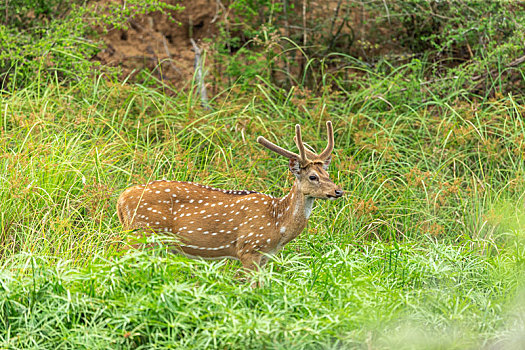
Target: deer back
x,y
209,222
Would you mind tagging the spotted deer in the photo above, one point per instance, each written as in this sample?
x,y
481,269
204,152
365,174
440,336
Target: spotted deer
x,y
212,223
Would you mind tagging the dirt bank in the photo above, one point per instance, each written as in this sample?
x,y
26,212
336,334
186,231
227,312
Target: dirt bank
x,y
163,46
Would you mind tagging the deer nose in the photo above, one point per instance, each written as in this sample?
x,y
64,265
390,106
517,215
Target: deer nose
x,y
339,193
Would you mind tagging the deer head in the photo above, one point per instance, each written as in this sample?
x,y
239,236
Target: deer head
x,y
310,168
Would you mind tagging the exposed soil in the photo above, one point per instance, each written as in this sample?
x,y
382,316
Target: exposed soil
x,y
163,47
160,45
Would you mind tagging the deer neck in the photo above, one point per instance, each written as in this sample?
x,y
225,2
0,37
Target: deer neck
x,y
292,213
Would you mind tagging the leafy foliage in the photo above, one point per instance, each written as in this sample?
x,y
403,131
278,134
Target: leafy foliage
x,y
289,42
51,40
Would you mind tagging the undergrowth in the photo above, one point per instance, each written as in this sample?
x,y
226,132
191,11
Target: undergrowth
x,y
424,250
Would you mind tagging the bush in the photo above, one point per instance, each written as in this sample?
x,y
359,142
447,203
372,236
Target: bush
x,y
44,40
288,45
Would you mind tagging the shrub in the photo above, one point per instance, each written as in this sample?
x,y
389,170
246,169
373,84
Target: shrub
x,y
44,40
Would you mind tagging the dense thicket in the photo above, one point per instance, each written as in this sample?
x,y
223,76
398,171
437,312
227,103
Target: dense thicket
x,y
444,45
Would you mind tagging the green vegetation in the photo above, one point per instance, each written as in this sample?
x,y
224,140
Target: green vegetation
x,y
425,250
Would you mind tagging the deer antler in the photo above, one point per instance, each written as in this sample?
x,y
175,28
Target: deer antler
x,y
309,154
329,148
299,142
273,147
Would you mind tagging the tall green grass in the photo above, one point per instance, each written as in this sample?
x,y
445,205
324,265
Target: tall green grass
x,y
425,250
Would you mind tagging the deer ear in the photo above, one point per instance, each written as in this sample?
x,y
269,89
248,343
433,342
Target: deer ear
x,y
326,162
294,166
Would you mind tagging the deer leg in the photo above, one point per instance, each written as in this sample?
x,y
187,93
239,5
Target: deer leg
x,y
251,262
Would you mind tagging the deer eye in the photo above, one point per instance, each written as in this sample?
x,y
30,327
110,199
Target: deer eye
x,y
313,177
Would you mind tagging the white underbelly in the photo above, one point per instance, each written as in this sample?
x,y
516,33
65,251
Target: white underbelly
x,y
205,257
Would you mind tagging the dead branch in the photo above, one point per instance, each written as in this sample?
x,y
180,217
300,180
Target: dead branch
x,y
170,59
199,75
512,64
